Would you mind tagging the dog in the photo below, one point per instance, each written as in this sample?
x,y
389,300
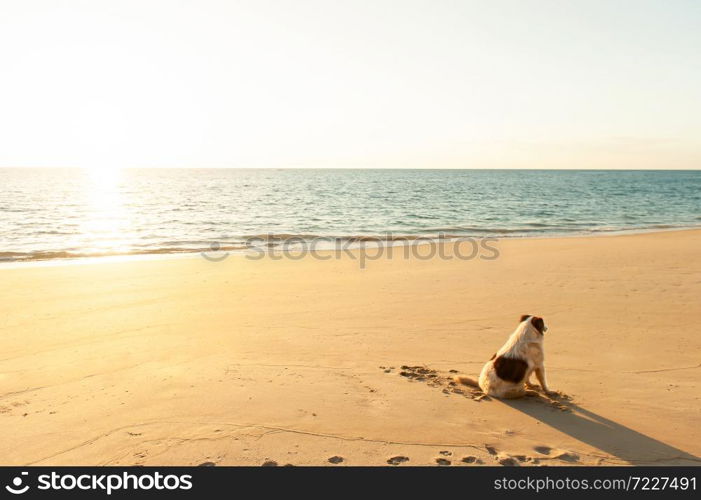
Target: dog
x,y
507,374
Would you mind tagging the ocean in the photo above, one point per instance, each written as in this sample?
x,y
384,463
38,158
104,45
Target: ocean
x,y
64,213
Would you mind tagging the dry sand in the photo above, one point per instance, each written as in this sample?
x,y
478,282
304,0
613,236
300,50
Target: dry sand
x,y
186,361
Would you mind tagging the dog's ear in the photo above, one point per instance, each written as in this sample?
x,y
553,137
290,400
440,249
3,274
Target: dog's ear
x,y
524,317
539,324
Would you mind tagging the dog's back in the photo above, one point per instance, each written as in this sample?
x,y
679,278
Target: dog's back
x,y
505,374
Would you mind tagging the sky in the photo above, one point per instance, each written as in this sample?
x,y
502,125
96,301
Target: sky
x,y
339,84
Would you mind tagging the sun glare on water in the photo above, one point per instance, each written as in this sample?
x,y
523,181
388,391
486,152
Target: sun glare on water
x,y
106,219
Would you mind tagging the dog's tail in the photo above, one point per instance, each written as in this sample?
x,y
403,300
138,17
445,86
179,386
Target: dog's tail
x,y
466,381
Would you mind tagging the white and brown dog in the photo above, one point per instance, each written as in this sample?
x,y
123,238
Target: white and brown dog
x,y
506,375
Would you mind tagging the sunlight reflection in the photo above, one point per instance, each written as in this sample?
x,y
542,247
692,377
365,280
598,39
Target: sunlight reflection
x,y
106,219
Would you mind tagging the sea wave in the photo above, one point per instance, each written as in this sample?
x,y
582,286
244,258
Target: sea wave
x,y
245,243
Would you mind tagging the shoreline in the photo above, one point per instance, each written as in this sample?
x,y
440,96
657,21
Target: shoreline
x,y
399,241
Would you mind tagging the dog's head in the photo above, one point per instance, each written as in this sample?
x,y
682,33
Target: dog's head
x,y
536,321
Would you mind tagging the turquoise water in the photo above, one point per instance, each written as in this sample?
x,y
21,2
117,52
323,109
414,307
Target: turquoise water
x,y
52,213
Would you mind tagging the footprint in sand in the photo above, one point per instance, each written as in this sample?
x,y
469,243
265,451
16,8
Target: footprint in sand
x,y
336,459
446,453
269,463
471,460
508,461
442,461
418,373
556,399
206,464
399,459
568,457
565,456
433,378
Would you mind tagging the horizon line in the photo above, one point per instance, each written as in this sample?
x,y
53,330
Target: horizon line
x,y
594,169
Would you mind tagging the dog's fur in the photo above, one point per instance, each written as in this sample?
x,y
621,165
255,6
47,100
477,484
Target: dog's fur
x,y
506,375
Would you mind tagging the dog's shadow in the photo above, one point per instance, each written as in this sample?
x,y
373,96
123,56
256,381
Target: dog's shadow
x,y
606,435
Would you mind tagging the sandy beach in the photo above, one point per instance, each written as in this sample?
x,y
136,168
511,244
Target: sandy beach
x,y
183,361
